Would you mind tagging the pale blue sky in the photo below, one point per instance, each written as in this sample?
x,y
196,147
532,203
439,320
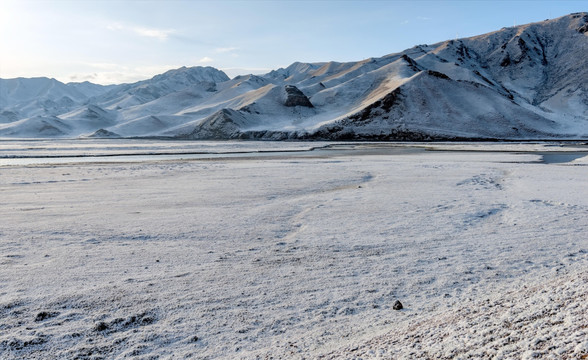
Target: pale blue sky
x,y
111,41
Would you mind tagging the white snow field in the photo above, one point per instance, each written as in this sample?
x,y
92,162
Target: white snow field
x,y
297,255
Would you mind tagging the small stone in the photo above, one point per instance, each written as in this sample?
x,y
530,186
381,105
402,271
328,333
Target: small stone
x,y
45,315
397,305
101,326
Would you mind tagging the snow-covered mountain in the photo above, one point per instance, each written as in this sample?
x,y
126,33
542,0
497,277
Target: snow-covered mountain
x,y
523,82
22,98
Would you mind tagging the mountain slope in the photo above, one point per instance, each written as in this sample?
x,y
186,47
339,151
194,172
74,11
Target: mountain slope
x,y
498,85
22,98
524,82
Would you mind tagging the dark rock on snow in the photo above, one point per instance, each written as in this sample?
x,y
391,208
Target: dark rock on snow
x,y
294,97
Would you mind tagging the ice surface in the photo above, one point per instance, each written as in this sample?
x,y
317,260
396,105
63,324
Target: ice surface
x,y
296,256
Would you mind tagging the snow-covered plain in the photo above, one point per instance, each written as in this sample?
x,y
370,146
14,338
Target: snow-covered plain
x,y
298,255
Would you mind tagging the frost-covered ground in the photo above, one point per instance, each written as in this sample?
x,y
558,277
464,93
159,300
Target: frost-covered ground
x,y
299,255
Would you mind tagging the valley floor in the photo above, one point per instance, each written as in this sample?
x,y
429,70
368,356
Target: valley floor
x,y
298,255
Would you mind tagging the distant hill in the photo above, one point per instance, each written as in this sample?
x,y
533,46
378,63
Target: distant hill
x,y
523,82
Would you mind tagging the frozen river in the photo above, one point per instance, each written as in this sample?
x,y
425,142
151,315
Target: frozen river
x,y
292,250
78,151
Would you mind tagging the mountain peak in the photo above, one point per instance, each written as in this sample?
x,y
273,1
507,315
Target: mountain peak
x,y
193,74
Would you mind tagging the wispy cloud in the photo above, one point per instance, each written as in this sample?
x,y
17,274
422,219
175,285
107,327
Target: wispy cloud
x,y
104,73
419,18
205,60
225,49
160,34
154,33
115,26
82,77
107,78
101,65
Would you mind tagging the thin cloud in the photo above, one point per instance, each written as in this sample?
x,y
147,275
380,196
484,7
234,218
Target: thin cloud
x,y
205,60
102,65
115,26
160,34
225,49
119,74
153,33
83,77
107,77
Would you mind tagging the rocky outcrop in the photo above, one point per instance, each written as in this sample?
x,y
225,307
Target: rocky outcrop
x,y
292,96
224,124
101,133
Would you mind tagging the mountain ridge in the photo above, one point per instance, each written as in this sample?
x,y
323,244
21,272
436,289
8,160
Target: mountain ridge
x,y
517,83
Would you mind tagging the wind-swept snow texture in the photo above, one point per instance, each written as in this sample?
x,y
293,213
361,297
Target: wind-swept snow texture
x,y
296,256
523,82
